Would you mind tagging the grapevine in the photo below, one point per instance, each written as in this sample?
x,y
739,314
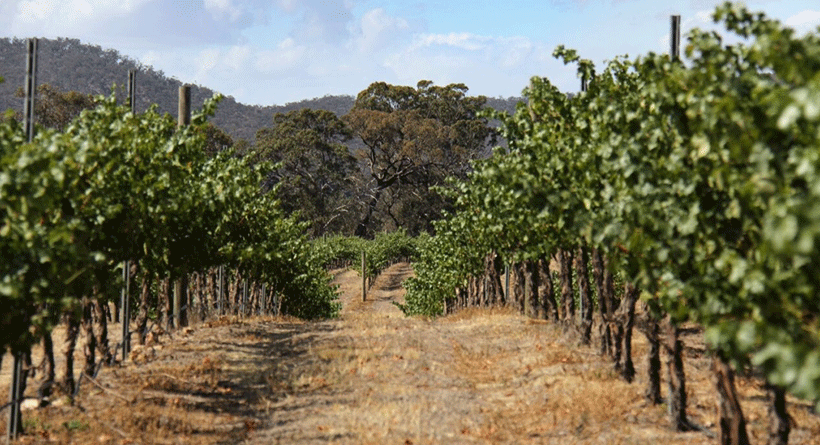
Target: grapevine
x,y
696,180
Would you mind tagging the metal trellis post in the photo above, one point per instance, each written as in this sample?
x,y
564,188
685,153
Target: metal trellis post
x,y
674,37
15,396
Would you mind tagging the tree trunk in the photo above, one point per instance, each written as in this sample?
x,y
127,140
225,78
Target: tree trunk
x,y
497,268
186,300
486,289
28,371
362,229
47,384
730,415
653,362
480,290
631,294
142,316
234,291
165,304
779,420
567,292
189,314
481,287
117,310
101,329
203,294
582,270
513,293
494,290
251,309
598,271
90,339
617,330
612,305
548,303
531,306
194,297
676,400
178,297
537,299
209,303
72,332
518,284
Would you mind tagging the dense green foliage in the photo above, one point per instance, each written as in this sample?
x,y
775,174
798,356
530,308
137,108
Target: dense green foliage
x,y
412,139
698,180
114,185
316,173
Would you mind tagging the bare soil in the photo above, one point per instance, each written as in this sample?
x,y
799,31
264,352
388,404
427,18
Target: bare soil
x,y
374,376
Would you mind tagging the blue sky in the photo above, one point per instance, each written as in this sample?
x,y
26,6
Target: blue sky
x,y
269,52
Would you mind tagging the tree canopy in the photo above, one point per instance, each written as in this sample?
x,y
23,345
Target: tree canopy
x,y
316,171
412,139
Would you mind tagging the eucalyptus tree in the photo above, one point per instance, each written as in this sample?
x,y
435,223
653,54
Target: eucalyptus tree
x,y
316,172
412,139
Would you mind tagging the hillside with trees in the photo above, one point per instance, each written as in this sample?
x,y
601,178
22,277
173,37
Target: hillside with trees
x,y
71,65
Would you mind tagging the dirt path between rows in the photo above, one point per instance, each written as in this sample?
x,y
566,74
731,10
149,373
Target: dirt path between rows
x,y
373,376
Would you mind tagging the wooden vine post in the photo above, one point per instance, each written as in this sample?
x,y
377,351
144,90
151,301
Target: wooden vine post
x,y
263,303
364,276
507,294
220,302
184,119
245,298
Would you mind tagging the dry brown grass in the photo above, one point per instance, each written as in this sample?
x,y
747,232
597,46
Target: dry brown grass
x,y
374,377
195,387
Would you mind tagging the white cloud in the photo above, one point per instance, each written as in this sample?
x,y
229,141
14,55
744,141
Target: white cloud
x,y
516,51
151,58
287,5
237,57
463,40
324,21
409,68
71,13
35,10
376,31
500,52
804,21
489,65
223,9
702,17
206,61
287,55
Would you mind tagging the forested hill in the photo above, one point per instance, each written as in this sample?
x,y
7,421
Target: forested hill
x,y
71,65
